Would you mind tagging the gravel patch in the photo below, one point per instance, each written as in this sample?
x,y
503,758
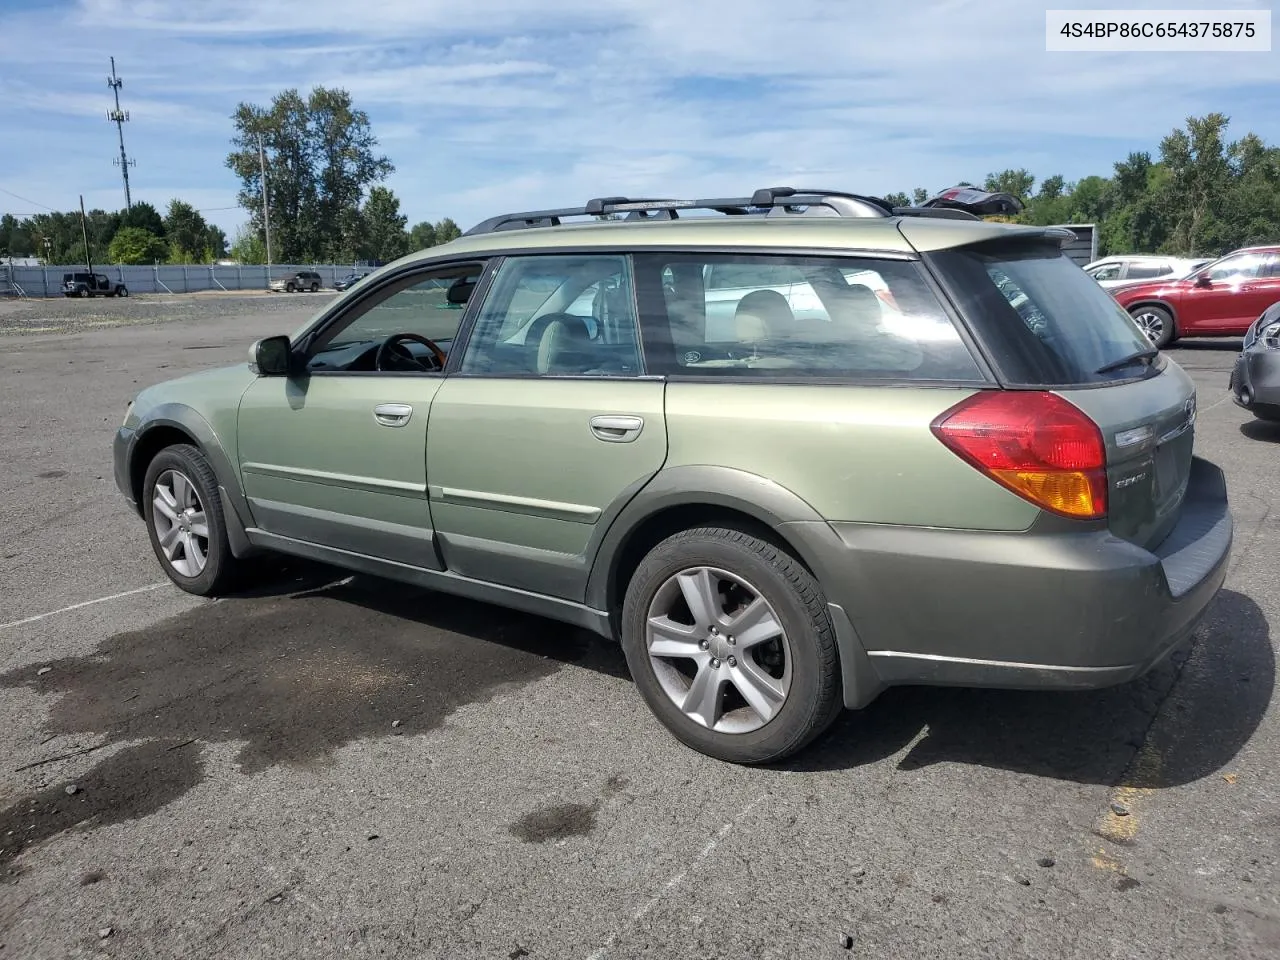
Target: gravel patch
x,y
64,315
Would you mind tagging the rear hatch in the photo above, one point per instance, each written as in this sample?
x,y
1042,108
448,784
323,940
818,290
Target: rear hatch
x,y
1045,325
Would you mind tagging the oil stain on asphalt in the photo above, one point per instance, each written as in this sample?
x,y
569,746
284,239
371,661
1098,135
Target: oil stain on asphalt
x,y
292,676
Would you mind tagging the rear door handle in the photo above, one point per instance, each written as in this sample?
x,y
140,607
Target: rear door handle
x,y
392,414
616,429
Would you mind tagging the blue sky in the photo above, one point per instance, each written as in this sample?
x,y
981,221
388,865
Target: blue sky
x,y
493,105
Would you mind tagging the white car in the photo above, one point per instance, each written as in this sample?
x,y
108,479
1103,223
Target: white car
x,y
1113,272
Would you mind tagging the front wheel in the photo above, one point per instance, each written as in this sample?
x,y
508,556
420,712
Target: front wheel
x,y
291,288
1156,323
729,642
84,292
185,522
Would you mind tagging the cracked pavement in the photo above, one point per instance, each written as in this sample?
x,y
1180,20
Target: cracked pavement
x,y
246,794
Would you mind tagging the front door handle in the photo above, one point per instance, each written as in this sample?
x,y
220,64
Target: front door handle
x,y
392,414
616,429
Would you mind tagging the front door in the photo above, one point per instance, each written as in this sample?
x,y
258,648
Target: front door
x,y
1239,288
547,428
335,455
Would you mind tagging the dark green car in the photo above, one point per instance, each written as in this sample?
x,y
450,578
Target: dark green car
x,y
790,452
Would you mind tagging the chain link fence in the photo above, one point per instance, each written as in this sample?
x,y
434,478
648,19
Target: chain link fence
x,y
46,281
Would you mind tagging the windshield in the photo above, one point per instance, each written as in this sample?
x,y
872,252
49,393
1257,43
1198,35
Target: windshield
x,y
1047,321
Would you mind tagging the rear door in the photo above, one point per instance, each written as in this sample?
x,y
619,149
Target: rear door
x,y
547,426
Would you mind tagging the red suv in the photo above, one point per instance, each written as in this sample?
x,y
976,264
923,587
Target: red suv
x,y
1221,299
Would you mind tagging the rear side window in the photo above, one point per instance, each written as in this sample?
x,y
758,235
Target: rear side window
x,y
1146,271
1044,319
791,317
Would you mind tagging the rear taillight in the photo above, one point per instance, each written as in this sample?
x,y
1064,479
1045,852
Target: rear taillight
x,y
1039,445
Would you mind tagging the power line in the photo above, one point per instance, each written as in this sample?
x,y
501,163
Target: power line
x,y
27,200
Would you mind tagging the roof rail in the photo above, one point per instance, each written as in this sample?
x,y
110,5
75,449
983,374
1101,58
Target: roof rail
x,y
767,201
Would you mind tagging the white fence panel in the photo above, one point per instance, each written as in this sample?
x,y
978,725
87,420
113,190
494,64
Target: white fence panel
x,y
46,281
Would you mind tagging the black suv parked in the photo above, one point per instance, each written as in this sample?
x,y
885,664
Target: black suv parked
x,y
91,285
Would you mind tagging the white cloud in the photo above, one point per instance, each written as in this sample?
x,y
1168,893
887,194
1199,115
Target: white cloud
x,y
499,104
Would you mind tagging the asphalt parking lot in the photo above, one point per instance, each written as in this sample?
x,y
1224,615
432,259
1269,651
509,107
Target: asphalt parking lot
x,y
338,766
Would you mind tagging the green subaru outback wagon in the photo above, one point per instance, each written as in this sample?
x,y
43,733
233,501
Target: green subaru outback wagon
x,y
788,449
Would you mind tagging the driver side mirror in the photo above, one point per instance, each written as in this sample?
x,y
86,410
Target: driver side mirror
x,y
270,356
1202,280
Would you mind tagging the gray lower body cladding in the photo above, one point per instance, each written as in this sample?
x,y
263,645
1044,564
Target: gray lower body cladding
x,y
1255,379
1059,610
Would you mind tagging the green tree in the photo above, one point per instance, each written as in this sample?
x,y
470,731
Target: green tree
x,y
186,231
1017,182
1199,180
384,234
215,243
134,245
897,199
145,216
919,195
249,247
447,230
422,236
320,157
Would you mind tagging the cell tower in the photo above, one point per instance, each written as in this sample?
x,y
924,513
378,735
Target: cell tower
x,y
119,117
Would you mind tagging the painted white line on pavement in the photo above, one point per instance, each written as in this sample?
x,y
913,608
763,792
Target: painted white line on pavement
x,y
86,603
675,881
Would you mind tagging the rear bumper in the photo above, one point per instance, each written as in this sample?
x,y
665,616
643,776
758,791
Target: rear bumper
x,y
1255,378
1054,610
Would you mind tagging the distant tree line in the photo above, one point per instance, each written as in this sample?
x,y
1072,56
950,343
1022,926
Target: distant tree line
x,y
137,235
1202,196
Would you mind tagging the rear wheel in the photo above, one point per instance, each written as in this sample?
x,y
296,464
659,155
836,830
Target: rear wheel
x,y
185,522
729,642
315,288
122,291
1156,323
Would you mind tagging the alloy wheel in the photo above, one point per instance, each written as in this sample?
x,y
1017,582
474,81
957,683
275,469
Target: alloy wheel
x,y
718,650
179,520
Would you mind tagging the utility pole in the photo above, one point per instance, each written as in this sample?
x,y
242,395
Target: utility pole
x,y
118,117
266,216
84,232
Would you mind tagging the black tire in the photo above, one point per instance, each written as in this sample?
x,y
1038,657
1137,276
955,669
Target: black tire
x,y
221,568
315,288
84,291
290,288
122,291
814,698
1168,331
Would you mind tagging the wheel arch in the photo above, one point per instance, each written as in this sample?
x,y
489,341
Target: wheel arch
x,y
683,497
175,423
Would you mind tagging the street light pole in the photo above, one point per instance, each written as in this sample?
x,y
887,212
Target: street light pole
x,y
266,216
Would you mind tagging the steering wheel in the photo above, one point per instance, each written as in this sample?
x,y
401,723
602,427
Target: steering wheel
x,y
392,355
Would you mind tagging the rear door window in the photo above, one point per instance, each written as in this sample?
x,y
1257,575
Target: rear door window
x,y
796,317
1043,319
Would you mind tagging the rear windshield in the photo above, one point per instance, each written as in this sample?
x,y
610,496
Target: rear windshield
x,y
1044,319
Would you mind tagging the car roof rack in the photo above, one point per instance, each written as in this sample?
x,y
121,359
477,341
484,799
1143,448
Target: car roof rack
x,y
768,202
